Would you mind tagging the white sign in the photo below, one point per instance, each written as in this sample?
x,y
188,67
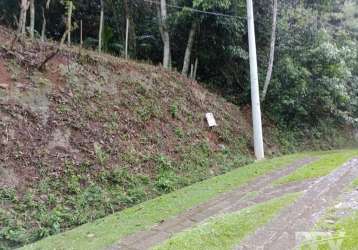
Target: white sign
x,y
210,119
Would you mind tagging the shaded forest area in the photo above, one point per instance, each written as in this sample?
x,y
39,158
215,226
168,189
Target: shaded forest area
x,y
314,79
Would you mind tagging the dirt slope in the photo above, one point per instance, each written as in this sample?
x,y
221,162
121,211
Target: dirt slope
x,y
84,106
94,134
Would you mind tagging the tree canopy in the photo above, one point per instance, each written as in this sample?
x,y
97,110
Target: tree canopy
x,y
315,66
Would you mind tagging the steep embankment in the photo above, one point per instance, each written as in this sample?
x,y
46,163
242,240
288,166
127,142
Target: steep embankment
x,y
91,135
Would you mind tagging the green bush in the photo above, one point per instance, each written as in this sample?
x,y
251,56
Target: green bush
x,y
316,82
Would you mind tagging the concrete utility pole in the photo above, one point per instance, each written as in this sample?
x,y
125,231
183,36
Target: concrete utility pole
x,y
255,95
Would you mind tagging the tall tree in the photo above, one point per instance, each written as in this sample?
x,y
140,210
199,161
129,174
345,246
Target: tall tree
x,y
272,50
69,5
32,18
44,20
164,31
22,19
101,28
127,16
189,47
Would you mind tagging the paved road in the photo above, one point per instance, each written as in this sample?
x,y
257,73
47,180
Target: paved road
x,y
279,233
228,202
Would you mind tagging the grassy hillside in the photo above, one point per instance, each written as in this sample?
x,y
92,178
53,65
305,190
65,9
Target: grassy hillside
x,y
91,135
112,229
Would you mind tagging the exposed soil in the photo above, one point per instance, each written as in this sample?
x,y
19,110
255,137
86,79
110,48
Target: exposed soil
x,y
57,116
92,123
5,78
8,178
347,204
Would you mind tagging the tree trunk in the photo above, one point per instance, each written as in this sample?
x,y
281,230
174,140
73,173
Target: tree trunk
x,y
43,29
161,31
22,19
127,22
81,34
191,71
42,66
272,50
69,22
23,29
32,18
130,34
163,26
186,63
44,21
127,37
101,28
195,68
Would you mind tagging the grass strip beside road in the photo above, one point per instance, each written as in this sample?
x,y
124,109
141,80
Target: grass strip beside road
x,y
226,231
355,183
111,229
325,165
344,234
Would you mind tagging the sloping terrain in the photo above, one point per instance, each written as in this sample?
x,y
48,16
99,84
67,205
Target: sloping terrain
x,y
243,209
94,134
91,135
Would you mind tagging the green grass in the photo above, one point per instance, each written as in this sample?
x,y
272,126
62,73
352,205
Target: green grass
x,y
355,183
225,232
326,164
112,229
349,226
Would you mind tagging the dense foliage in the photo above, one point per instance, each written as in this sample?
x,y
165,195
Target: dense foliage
x,y
316,72
315,68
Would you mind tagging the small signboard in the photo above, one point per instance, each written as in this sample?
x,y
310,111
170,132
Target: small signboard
x,y
211,120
